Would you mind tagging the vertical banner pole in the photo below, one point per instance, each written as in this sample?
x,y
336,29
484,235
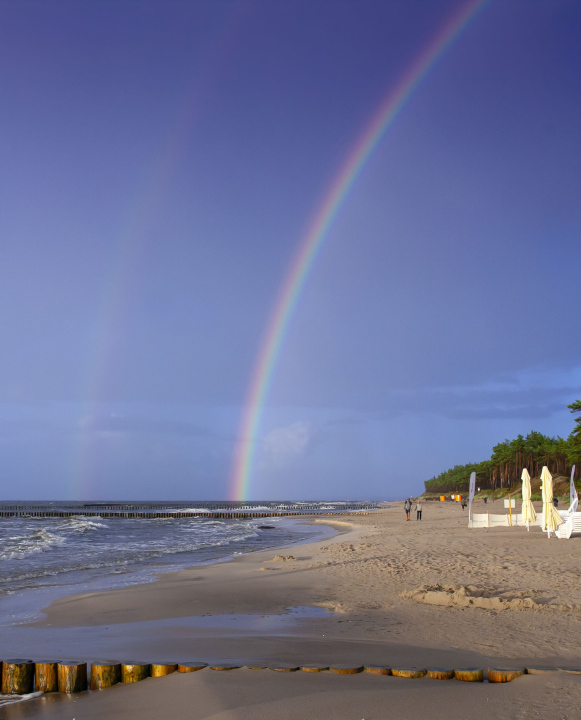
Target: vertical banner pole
x,y
471,497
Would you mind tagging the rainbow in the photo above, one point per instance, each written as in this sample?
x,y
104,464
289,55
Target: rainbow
x,y
318,230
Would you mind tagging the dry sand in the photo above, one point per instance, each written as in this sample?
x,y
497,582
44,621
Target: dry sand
x,y
410,593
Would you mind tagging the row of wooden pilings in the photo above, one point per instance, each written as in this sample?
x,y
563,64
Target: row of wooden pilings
x,y
236,515
22,677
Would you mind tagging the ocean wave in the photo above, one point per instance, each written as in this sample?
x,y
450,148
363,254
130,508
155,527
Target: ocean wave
x,y
161,519
81,523
20,546
120,556
81,548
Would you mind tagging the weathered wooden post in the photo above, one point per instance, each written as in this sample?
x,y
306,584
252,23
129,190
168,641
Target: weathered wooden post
x,y
46,676
346,669
409,672
105,674
17,677
72,676
134,671
470,674
161,669
500,675
191,666
441,673
377,669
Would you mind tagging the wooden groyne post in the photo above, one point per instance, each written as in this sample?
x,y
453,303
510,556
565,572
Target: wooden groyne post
x,y
105,674
72,676
46,676
17,677
161,669
134,671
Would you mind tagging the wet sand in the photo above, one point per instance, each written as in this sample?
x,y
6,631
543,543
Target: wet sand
x,y
409,593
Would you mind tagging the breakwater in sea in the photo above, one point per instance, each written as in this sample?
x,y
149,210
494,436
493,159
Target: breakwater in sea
x,y
181,510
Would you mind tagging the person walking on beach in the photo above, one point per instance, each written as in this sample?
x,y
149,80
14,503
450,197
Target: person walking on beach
x,y
407,506
418,510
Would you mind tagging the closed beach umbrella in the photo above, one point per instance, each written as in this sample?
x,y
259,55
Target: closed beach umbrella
x,y
528,512
551,518
574,500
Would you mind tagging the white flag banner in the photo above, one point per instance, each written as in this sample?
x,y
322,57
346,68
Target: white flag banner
x,y
471,495
573,493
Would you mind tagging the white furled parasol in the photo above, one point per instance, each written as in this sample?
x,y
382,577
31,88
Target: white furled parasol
x,y
574,500
528,511
551,518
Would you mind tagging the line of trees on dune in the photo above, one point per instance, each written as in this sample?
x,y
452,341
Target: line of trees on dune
x,y
510,457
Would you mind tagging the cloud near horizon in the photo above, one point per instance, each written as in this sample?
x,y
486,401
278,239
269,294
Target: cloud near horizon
x,y
139,425
284,445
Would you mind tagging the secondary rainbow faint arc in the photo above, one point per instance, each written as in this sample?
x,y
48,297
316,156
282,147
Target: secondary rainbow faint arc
x,y
141,212
318,230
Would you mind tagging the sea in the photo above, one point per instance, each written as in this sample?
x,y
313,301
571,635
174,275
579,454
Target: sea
x,y
110,552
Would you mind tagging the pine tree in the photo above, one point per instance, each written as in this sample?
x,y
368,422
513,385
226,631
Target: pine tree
x,y
574,440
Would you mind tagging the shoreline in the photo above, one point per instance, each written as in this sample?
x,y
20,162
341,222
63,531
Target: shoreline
x,y
25,603
64,611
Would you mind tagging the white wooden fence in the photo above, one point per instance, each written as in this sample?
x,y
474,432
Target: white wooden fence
x,y
489,520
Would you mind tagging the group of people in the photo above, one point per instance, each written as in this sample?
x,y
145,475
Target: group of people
x,y
407,506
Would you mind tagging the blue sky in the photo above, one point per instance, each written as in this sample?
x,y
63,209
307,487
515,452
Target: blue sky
x,y
160,162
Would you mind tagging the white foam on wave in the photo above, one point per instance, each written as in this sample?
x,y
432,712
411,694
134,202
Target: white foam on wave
x,y
81,523
191,510
11,699
20,546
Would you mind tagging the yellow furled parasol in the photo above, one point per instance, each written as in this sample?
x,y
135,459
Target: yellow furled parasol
x,y
528,511
551,518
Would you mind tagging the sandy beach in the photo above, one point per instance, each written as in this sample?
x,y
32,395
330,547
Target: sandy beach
x,y
385,591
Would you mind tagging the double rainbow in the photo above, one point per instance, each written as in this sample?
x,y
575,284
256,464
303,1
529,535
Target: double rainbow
x,y
318,231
